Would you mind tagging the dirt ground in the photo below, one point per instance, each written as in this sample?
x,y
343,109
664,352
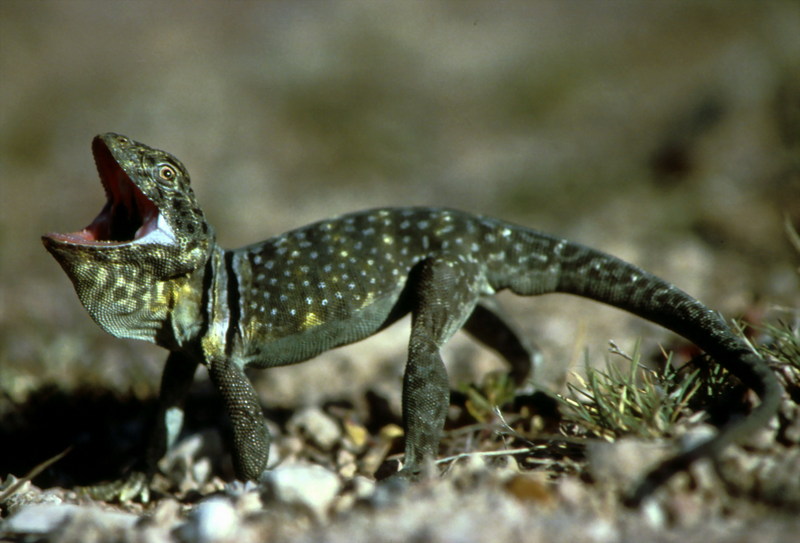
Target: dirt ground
x,y
667,134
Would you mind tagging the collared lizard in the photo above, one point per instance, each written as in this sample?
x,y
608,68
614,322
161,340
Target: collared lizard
x,y
148,267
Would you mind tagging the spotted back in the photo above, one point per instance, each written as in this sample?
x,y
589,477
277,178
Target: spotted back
x,y
340,280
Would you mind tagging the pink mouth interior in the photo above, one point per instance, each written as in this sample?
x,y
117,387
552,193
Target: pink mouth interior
x,y
128,214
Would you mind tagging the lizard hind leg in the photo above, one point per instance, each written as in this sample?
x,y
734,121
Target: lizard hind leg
x,y
491,326
444,298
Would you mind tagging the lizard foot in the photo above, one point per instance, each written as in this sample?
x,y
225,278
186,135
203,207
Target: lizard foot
x,y
135,486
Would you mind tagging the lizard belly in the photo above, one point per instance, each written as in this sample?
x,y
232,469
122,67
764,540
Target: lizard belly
x,y
277,344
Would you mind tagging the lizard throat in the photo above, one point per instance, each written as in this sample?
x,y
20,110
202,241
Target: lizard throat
x,y
128,215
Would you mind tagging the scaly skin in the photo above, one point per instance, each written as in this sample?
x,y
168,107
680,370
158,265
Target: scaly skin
x,y
149,268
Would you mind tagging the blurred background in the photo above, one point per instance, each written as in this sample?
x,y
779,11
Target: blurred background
x,y
665,133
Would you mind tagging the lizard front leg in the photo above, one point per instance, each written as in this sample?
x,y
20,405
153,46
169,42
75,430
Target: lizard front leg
x,y
176,380
251,437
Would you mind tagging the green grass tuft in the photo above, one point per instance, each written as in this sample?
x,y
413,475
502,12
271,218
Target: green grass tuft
x,y
633,400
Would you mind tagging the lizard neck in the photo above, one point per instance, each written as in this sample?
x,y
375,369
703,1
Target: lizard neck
x,y
194,301
206,314
134,291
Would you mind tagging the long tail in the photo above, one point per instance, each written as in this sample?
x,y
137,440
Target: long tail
x,y
575,269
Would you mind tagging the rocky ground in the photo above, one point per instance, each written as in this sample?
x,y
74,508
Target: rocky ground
x,y
666,134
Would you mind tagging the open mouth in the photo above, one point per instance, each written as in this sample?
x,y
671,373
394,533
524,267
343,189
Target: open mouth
x,y
128,216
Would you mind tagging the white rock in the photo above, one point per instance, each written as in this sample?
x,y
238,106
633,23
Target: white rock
x,y
363,487
309,486
44,518
213,520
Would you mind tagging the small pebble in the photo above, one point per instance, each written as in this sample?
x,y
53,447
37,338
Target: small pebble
x,y
317,426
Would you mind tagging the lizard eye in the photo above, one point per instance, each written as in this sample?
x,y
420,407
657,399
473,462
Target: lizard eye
x,y
167,173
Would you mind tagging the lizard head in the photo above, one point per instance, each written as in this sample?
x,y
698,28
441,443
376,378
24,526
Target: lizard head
x,y
150,232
